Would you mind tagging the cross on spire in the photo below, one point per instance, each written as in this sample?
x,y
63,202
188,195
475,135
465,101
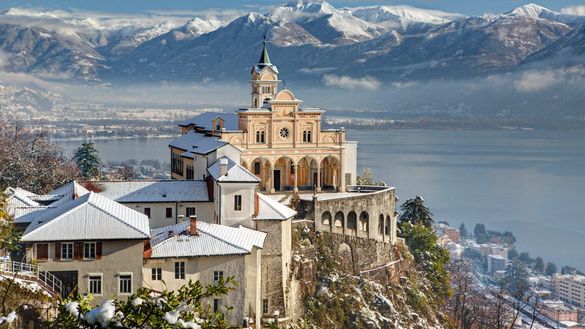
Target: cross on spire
x,y
264,58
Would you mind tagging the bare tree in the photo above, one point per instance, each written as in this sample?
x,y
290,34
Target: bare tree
x,y
30,161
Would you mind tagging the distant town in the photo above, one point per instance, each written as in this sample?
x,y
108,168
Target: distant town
x,y
555,300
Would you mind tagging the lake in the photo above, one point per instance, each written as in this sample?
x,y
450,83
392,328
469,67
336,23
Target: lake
x,y
529,182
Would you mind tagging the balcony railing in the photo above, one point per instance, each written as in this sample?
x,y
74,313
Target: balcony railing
x,y
32,272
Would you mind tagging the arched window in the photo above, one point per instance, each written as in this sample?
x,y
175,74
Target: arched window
x,y
339,219
364,221
260,137
388,225
352,220
381,225
292,167
266,100
326,218
307,136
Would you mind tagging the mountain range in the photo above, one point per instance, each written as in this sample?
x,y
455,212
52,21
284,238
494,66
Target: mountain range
x,y
306,39
312,42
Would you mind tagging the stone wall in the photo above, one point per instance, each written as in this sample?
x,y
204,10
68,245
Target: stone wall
x,y
376,260
369,212
275,265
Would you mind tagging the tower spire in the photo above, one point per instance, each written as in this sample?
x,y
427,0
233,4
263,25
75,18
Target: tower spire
x,y
264,58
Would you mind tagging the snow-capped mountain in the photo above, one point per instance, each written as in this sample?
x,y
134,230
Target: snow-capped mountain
x,y
36,50
307,39
535,11
403,18
328,24
196,27
470,46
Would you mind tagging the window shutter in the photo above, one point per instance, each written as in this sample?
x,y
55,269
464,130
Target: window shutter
x,y
58,251
78,250
98,250
42,251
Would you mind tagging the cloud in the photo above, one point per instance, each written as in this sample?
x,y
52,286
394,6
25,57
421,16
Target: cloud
x,y
347,82
540,80
76,20
574,10
533,81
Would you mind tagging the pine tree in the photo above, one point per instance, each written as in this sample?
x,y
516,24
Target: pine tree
x,y
516,279
479,230
551,268
539,265
87,160
463,231
414,211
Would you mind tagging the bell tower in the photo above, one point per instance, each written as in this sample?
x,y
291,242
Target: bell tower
x,y
264,81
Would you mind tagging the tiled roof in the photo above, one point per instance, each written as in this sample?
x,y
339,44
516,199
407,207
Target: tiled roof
x,y
235,172
270,209
197,143
204,120
156,191
90,217
211,240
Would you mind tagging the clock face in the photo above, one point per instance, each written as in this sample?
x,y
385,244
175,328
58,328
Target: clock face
x,y
284,133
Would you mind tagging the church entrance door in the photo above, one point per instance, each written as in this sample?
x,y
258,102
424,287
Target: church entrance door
x,y
277,180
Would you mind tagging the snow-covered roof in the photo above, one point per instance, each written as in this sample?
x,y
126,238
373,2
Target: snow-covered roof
x,y
25,206
235,172
90,217
197,143
18,197
269,209
255,110
64,194
26,215
211,240
204,120
155,191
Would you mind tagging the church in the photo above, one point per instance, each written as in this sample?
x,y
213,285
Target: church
x,y
280,141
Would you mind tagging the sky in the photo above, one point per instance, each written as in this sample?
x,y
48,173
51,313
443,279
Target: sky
x,y
466,7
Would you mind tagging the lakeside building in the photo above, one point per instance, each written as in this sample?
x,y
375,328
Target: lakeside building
x,y
493,249
558,311
450,232
570,288
224,213
496,263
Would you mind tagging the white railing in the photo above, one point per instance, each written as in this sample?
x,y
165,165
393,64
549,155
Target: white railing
x,y
30,271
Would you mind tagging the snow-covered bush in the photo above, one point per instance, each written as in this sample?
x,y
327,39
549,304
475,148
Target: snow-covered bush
x,y
184,308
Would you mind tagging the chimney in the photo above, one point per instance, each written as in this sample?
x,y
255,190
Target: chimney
x,y
181,218
223,163
192,225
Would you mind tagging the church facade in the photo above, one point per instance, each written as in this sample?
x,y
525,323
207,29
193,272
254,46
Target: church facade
x,y
283,143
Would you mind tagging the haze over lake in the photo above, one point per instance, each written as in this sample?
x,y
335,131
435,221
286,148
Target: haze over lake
x,y
529,182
